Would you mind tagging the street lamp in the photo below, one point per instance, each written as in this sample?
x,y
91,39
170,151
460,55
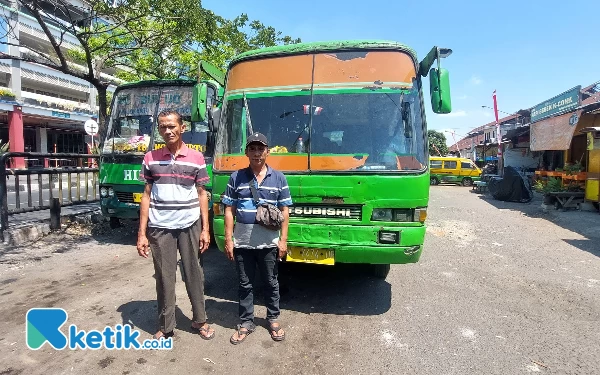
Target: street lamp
x,y
453,138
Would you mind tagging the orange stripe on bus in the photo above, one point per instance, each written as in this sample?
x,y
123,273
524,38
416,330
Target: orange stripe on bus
x,y
294,162
375,66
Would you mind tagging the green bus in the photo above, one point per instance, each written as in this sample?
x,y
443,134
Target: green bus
x,y
132,131
346,125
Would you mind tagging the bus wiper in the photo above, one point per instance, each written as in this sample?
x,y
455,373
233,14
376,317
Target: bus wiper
x,y
248,119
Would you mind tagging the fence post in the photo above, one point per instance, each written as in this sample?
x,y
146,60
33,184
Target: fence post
x,y
55,214
3,197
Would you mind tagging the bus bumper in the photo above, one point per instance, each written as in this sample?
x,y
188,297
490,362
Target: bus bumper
x,y
111,207
353,243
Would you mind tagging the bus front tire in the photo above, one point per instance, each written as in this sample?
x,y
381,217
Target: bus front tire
x,y
434,181
467,182
380,271
115,222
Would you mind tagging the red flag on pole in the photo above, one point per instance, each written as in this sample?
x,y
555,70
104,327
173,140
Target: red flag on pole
x,y
498,135
495,106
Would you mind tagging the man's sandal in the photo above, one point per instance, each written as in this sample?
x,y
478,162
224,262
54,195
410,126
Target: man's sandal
x,y
240,331
161,334
275,328
204,332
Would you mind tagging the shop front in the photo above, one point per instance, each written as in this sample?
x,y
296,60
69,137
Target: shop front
x,y
566,142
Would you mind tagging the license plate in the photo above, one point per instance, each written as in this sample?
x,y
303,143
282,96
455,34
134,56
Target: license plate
x,y
137,197
309,255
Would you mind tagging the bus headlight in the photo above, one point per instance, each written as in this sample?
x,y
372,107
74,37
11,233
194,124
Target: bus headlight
x,y
111,192
103,192
400,215
382,214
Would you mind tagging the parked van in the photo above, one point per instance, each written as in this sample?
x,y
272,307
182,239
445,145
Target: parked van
x,y
453,170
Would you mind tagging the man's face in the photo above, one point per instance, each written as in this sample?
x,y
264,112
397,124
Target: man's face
x,y
170,129
257,154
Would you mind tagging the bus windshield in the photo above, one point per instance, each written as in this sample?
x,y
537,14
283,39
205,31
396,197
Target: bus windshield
x,y
132,126
356,111
379,130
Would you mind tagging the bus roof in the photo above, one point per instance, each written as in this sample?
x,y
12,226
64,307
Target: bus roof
x,y
341,45
158,82
164,82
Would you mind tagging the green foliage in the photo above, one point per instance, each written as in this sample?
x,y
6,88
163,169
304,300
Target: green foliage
x,y
7,93
571,169
4,147
437,140
553,184
146,39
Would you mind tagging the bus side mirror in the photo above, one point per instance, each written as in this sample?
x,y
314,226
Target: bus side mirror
x,y
213,121
199,102
439,87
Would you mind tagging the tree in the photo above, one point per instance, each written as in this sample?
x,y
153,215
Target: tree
x,y
437,143
143,39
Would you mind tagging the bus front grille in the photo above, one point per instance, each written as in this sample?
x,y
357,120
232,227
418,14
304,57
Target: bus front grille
x,y
124,197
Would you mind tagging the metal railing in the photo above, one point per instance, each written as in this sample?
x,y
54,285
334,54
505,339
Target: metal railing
x,y
78,171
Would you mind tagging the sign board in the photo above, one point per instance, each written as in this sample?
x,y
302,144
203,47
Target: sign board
x,y
61,114
564,102
91,127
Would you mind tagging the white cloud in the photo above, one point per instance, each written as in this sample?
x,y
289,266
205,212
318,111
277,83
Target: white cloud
x,y
463,97
460,113
475,80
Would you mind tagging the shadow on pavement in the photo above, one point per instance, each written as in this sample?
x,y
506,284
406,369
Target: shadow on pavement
x,y
584,223
344,289
126,234
143,315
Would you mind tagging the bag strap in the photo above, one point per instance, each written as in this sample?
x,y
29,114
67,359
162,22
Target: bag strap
x,y
253,190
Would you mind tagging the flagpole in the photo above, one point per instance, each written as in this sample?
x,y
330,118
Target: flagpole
x,y
498,136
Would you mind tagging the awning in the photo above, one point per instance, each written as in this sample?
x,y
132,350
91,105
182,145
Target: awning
x,y
554,133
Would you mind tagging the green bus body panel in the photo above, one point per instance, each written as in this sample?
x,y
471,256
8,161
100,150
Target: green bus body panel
x,y
354,241
112,175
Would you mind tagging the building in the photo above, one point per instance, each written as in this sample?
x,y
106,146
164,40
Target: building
x,y
49,108
481,143
547,136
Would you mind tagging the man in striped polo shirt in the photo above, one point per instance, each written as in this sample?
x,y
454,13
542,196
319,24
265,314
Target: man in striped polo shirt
x,y
174,215
251,244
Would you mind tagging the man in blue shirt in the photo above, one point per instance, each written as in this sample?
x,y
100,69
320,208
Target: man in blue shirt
x,y
251,244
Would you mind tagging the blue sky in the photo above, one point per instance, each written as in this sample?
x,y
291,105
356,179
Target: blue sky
x,y
527,50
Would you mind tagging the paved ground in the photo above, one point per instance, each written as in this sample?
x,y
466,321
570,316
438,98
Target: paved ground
x,y
502,288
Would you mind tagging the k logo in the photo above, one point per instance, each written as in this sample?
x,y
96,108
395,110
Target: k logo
x,y
43,324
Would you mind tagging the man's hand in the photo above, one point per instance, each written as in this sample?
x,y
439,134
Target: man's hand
x,y
143,246
282,245
229,248
204,241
